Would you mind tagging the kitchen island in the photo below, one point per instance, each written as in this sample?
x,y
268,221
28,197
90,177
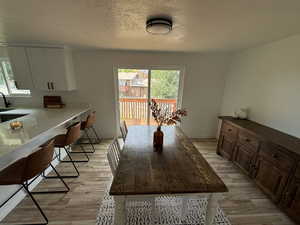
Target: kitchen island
x,y
39,125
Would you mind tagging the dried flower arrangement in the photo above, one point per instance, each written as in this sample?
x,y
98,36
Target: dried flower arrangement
x,y
163,116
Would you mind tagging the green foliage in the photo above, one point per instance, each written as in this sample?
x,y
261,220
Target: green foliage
x,y
164,83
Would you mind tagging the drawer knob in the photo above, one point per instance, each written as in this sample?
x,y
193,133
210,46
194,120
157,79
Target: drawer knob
x,y
248,140
229,130
275,156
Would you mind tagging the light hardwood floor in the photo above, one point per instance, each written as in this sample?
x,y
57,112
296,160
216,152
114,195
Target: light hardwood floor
x,y
244,204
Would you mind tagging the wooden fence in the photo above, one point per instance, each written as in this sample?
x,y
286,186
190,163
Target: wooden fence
x,y
136,108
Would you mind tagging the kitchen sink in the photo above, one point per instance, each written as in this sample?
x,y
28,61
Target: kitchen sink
x,y
5,109
7,117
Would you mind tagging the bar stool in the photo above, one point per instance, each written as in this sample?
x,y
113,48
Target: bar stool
x,y
63,141
24,171
87,125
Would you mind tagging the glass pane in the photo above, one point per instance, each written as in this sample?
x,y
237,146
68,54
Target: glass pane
x,y
133,96
164,89
3,87
10,80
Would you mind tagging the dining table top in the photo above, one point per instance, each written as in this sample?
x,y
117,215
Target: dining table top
x,y
180,168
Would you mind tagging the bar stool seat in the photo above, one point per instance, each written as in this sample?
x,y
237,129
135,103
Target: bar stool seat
x,y
87,125
60,140
24,171
63,141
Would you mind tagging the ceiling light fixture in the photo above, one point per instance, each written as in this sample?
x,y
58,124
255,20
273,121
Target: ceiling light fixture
x,y
159,26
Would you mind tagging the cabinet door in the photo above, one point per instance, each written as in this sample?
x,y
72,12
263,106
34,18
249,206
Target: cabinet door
x,y
270,179
226,146
292,199
20,67
243,158
48,68
57,74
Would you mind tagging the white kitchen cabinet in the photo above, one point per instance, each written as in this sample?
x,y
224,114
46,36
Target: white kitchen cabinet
x,y
20,67
51,68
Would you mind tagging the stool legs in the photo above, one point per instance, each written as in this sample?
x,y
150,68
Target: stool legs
x,y
90,140
69,154
96,135
98,139
59,177
36,204
84,152
71,161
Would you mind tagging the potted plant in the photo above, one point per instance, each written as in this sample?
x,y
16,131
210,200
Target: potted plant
x,y
163,117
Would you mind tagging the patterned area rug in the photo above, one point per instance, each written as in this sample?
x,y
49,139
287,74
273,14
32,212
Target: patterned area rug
x,y
168,212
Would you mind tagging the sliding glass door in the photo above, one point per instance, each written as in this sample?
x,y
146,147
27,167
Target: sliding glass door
x,y
138,86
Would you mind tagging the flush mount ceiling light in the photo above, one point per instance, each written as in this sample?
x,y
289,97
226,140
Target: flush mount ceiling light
x,y
159,26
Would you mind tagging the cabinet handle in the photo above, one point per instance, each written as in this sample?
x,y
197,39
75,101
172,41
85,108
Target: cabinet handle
x,y
255,169
275,156
229,130
248,140
286,197
16,84
48,84
52,85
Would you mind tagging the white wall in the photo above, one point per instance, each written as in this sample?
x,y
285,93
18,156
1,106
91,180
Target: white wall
x,y
202,94
267,80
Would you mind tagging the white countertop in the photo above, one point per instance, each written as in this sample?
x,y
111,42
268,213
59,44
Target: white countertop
x,y
39,126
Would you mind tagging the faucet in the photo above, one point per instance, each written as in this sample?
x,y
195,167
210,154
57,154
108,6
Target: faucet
x,y
6,102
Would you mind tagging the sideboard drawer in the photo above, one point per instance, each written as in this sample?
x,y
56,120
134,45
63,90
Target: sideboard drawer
x,y
278,156
248,139
229,130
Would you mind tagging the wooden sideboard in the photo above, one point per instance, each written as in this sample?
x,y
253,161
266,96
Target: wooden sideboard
x,y
270,157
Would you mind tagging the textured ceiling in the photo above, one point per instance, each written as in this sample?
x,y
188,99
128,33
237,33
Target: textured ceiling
x,y
199,25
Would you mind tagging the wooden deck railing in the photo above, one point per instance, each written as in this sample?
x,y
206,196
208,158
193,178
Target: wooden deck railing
x,y
136,108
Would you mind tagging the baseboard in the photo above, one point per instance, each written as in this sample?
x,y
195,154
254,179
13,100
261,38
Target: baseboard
x,y
12,203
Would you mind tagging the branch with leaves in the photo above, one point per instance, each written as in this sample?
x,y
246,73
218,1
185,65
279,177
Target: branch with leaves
x,y
163,116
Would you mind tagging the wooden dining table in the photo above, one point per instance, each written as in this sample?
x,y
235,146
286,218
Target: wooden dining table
x,y
179,170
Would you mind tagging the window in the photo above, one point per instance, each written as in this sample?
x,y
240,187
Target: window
x,y
7,82
138,86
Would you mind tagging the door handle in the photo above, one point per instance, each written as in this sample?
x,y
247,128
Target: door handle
x,y
52,85
48,84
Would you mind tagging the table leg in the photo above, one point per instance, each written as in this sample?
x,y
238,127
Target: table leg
x,y
120,215
184,207
211,210
153,210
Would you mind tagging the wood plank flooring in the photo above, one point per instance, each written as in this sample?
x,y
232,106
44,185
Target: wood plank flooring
x,y
244,204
